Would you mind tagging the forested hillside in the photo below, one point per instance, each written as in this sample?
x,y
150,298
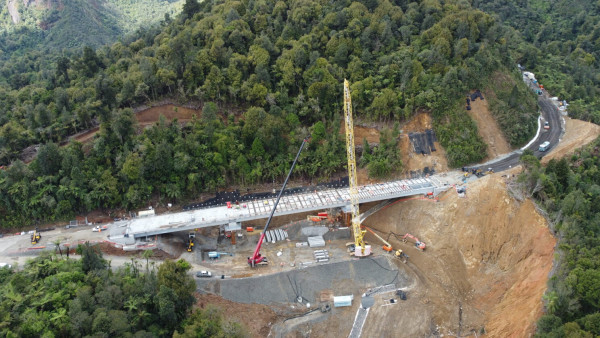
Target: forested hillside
x,y
69,24
266,74
563,49
56,296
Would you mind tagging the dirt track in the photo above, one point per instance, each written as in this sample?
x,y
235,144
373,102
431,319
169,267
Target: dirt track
x,y
150,116
488,129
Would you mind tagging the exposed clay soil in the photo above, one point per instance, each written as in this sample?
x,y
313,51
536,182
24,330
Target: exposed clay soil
x,y
485,268
86,135
577,134
148,117
488,129
109,249
412,161
170,112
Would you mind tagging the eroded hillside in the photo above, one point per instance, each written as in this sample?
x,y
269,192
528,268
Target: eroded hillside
x,y
485,268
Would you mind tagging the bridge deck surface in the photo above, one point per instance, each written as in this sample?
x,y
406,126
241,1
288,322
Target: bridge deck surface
x,y
257,209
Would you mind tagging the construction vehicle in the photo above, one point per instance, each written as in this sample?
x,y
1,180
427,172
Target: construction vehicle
x,y
256,258
217,255
359,248
98,228
401,255
418,244
386,245
35,237
191,237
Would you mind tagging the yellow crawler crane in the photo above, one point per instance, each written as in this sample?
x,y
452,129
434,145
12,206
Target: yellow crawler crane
x,y
359,247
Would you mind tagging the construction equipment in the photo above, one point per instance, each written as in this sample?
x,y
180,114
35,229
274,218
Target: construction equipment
x,y
418,244
191,237
359,247
217,255
35,237
401,255
386,245
98,228
256,257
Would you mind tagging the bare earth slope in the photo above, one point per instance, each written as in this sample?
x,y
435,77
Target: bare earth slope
x,y
488,129
485,268
412,161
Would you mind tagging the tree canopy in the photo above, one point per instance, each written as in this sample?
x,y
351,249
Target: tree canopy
x,y
266,75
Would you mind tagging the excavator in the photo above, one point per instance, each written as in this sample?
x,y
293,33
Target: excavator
x,y
418,244
257,258
191,237
35,237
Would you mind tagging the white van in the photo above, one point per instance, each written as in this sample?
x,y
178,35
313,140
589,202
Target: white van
x,y
544,146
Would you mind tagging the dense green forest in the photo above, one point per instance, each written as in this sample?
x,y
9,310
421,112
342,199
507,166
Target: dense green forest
x,y
569,190
266,74
563,48
56,296
69,24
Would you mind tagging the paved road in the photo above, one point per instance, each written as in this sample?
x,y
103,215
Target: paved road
x,y
549,113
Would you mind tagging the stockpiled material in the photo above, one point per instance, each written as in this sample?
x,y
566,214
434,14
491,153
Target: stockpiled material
x,y
316,241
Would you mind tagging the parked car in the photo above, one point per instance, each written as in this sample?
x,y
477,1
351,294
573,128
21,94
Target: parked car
x,y
203,273
546,125
5,265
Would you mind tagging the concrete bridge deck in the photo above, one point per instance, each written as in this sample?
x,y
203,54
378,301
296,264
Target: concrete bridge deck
x,y
126,232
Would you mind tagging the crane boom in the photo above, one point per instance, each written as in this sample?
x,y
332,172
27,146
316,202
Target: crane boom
x,y
256,257
360,248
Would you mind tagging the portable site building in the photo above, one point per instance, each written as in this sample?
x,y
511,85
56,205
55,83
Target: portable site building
x,y
343,301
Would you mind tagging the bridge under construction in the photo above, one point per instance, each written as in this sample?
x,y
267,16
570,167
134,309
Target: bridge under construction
x,y
232,216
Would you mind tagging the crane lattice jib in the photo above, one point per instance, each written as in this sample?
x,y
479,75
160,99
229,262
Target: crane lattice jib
x,y
358,233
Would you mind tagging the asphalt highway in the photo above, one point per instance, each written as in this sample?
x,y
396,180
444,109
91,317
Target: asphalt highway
x,y
551,114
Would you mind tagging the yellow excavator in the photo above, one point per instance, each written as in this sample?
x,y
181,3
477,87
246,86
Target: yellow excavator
x,y
191,237
35,237
359,248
